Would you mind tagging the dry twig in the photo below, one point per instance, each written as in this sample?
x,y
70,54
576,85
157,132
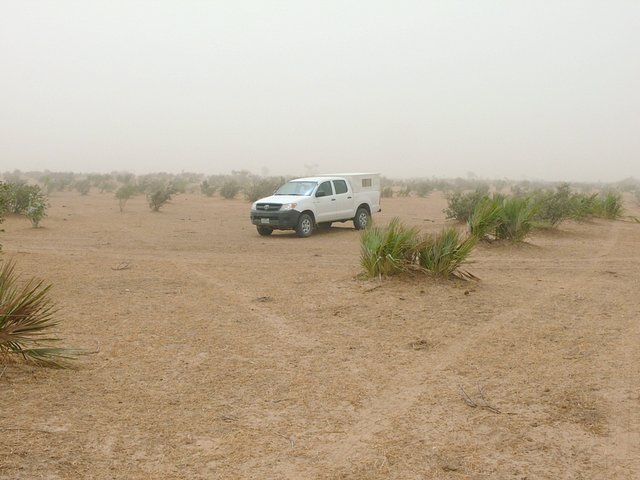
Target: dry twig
x,y
122,266
481,404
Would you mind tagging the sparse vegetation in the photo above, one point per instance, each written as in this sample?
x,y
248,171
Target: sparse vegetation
x,y
83,186
208,188
609,205
229,189
260,188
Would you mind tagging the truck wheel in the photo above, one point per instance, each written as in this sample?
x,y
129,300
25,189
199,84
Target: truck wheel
x,y
305,225
265,231
361,220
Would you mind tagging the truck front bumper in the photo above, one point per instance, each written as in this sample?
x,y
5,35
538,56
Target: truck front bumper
x,y
277,220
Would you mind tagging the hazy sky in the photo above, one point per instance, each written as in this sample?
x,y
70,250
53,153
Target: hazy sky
x,y
520,89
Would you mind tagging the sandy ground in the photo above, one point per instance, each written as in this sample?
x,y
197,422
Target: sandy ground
x,y
222,354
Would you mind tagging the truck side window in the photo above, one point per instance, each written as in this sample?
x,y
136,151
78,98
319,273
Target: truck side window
x,y
340,186
324,190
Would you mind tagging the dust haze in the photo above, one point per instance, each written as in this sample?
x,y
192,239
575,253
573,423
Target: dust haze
x,y
523,90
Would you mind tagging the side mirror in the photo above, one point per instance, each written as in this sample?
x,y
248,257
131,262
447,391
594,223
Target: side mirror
x,y
321,194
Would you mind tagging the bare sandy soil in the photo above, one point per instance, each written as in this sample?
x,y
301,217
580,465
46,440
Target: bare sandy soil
x,y
222,354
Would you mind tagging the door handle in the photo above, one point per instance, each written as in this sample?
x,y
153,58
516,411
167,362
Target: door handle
x,y
333,199
349,197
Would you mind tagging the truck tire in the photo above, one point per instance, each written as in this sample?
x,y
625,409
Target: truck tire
x,y
361,220
305,225
264,231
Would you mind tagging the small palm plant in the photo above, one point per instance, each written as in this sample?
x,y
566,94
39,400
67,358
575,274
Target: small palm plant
x,y
388,250
485,218
516,218
442,255
26,318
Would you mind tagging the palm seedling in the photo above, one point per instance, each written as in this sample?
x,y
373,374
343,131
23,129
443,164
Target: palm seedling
x,y
442,255
26,319
388,250
485,218
516,218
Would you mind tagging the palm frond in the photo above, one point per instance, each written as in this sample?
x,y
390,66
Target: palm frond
x,y
27,317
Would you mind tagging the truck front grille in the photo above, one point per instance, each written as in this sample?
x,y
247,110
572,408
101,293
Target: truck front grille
x,y
268,207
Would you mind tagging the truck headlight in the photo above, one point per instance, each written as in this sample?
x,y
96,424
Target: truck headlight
x,y
254,206
288,206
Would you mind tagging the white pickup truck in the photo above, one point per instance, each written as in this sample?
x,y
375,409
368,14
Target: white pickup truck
x,y
305,204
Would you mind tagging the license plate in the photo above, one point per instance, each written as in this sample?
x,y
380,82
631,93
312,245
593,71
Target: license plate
x,y
264,220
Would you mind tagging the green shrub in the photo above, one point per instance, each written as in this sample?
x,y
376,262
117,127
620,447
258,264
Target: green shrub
x,y
552,208
229,189
516,218
584,205
158,196
5,195
388,250
36,209
208,188
124,193
83,186
423,188
387,192
442,255
18,195
261,188
26,318
609,205
461,205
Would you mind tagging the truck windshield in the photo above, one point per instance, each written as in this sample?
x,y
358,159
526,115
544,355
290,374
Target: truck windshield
x,y
297,188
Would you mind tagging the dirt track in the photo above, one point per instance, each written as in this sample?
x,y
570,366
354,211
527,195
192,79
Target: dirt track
x,y
223,354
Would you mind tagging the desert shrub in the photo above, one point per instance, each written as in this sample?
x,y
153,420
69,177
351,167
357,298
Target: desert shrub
x,y
404,191
584,205
443,254
229,189
159,195
5,195
26,320
83,186
387,192
124,193
516,218
260,188
552,208
388,250
609,205
18,196
423,188
36,208
461,205
485,218
56,181
208,188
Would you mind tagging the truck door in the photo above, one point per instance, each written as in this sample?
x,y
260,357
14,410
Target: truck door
x,y
325,202
344,204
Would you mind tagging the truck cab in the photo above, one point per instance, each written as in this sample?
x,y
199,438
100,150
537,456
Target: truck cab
x,y
305,204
